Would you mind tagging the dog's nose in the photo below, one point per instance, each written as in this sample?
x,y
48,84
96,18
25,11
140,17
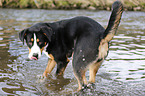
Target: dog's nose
x,y
35,55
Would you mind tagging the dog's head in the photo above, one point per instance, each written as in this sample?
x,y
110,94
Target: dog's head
x,y
36,37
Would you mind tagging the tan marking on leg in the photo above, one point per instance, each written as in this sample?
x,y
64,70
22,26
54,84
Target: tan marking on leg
x,y
80,86
63,69
93,68
50,66
51,56
84,78
84,81
61,72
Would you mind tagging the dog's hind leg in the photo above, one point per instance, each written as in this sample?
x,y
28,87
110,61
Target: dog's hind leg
x,y
81,78
93,69
79,68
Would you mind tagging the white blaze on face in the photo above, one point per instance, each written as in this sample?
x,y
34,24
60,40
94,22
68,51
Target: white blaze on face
x,y
35,49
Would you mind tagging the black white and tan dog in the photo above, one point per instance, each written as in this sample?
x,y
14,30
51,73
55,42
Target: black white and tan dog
x,y
81,37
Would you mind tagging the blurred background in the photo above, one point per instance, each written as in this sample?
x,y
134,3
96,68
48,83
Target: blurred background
x,y
136,5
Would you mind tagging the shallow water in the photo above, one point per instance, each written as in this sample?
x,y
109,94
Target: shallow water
x,y
122,73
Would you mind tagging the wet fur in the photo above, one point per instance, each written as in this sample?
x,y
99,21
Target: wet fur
x,y
82,38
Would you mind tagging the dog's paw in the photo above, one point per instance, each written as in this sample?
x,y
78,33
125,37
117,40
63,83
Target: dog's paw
x,y
41,78
91,85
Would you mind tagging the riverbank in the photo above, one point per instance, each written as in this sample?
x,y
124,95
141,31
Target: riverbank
x,y
134,5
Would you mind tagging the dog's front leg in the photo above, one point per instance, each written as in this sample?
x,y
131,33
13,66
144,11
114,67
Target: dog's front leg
x,y
61,66
51,64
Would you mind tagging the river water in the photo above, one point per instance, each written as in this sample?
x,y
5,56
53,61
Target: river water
x,y
121,74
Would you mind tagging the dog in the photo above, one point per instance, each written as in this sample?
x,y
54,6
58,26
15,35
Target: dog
x,y
81,38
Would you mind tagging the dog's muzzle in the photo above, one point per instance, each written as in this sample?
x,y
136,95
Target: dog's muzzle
x,y
35,56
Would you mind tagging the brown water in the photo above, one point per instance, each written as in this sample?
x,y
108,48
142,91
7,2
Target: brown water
x,y
121,74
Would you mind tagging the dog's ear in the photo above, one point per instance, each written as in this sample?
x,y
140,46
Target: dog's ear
x,y
47,31
22,35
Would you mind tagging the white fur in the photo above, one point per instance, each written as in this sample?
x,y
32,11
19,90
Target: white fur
x,y
35,49
46,54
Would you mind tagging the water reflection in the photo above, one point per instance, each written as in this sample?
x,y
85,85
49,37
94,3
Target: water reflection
x,y
5,59
123,72
56,84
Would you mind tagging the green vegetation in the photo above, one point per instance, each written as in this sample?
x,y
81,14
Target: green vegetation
x,y
137,5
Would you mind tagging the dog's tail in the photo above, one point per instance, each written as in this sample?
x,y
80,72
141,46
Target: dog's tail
x,y
117,10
